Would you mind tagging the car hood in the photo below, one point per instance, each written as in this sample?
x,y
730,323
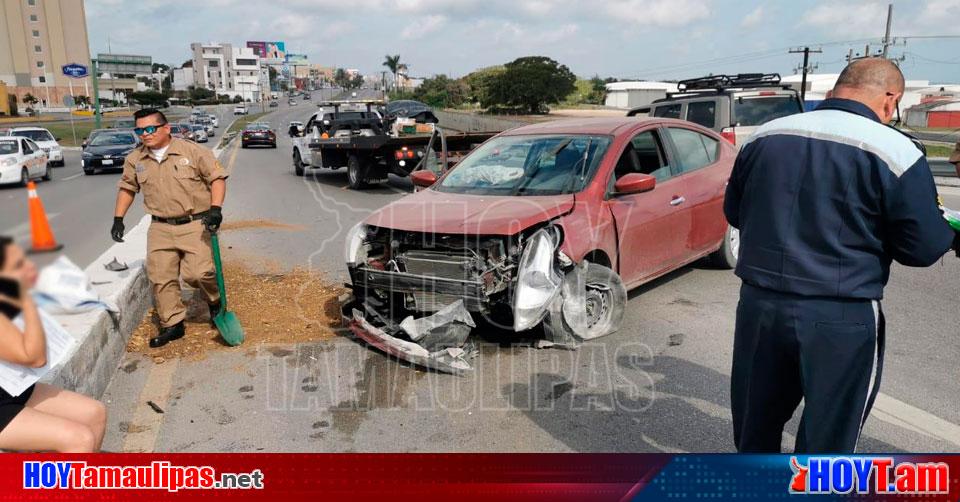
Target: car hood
x,y
430,211
47,144
108,150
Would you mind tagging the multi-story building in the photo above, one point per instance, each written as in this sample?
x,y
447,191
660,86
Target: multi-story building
x,y
39,38
225,69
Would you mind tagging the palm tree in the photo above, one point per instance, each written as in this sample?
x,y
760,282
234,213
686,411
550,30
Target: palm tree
x,y
30,99
393,63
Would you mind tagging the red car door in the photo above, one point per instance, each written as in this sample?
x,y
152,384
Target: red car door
x,y
705,170
652,227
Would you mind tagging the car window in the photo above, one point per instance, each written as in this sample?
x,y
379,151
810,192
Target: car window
x,y
33,146
644,154
8,147
528,165
114,140
36,135
694,150
25,147
755,111
702,113
668,111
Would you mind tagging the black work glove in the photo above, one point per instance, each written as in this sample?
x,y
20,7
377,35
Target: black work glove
x,y
213,219
956,243
117,230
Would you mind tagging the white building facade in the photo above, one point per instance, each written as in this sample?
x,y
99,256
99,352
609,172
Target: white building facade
x,y
225,69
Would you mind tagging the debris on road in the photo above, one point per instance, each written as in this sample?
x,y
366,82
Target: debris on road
x,y
155,407
116,265
449,327
275,306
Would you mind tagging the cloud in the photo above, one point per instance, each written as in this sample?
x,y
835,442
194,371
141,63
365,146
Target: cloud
x,y
939,15
864,19
657,13
423,27
752,19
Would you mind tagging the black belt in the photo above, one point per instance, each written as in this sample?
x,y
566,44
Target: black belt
x,y
183,220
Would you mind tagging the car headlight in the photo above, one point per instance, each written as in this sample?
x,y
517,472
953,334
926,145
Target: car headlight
x,y
8,162
356,250
538,279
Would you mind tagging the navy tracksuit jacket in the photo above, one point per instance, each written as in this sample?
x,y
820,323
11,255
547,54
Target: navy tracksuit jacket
x,y
824,201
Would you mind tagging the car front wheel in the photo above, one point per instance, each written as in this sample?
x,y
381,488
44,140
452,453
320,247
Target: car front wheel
x,y
600,311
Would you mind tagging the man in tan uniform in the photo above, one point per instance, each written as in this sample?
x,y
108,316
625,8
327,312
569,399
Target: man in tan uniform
x,y
183,188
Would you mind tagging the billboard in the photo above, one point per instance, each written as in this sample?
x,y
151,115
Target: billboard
x,y
297,60
273,52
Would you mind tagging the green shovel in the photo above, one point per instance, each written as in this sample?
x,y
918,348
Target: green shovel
x,y
226,321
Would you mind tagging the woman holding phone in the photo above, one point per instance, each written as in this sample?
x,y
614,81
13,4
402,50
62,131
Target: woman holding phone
x,y
43,418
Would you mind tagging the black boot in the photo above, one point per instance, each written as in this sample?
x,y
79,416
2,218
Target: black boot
x,y
168,335
214,310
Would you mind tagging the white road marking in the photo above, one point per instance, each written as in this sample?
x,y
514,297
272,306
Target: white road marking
x,y
896,412
22,231
75,176
146,423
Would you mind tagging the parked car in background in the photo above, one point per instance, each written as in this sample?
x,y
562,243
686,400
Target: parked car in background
x,y
240,110
199,133
274,104
22,160
549,223
733,105
258,133
44,139
107,151
125,123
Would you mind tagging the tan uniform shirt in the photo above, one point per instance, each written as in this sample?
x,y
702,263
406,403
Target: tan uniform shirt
x,y
177,187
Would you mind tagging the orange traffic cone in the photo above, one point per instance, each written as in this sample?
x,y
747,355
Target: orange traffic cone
x,y
43,240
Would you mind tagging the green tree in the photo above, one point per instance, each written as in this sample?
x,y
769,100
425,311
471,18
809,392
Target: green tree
x,y
442,92
341,78
30,99
479,81
148,98
393,64
529,84
356,82
199,94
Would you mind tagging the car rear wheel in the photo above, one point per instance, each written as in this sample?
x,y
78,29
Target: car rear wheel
x,y
297,163
726,256
47,175
356,172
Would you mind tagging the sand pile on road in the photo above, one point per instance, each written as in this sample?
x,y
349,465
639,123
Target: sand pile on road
x,y
274,306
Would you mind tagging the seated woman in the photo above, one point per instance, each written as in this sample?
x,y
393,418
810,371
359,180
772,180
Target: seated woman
x,y
43,418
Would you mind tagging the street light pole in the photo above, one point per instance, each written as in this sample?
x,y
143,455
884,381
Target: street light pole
x,y
96,95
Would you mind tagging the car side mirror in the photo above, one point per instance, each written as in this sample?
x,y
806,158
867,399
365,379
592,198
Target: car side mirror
x,y
423,179
58,139
634,183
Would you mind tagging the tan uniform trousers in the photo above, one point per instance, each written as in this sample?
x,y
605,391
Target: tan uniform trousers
x,y
175,252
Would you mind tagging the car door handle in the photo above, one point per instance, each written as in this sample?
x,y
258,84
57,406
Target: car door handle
x,y
677,201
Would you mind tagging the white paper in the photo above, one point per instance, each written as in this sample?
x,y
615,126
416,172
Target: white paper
x,y
16,379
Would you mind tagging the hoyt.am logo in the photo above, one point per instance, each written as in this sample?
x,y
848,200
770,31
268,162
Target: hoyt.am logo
x,y
879,475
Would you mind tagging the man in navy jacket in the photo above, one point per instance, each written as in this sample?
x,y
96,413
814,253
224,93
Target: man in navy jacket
x,y
824,201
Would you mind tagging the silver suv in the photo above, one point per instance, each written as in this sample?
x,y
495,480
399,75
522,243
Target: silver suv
x,y
733,105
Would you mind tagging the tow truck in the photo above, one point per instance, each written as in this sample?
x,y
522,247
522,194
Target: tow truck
x,y
356,135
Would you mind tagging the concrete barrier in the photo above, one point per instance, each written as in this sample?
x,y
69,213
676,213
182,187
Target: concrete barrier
x,y
102,337
471,122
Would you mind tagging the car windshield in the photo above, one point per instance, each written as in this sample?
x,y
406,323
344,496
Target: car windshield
x,y
113,140
257,127
36,135
528,165
8,147
762,109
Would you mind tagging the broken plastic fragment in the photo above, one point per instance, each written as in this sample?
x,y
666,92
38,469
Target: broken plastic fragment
x,y
116,266
451,360
449,327
574,294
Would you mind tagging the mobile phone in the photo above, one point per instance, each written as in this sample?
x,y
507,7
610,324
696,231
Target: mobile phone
x,y
10,288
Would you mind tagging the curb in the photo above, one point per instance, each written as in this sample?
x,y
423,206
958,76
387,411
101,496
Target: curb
x,y
942,181
102,337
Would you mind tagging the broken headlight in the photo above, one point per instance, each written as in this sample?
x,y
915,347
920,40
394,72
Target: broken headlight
x,y
538,279
356,250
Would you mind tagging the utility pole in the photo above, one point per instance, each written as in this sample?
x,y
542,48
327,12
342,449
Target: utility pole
x,y
806,68
886,37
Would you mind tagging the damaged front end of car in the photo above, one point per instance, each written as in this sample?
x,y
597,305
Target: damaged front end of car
x,y
415,295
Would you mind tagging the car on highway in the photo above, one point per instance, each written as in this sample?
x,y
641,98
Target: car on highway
x,y
206,123
22,160
107,151
213,120
240,110
182,131
199,133
44,139
258,133
274,104
292,102
732,105
548,223
307,97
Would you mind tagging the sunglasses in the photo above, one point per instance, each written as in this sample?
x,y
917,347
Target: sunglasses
x,y
140,131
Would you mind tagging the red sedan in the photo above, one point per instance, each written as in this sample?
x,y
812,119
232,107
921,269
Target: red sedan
x,y
550,223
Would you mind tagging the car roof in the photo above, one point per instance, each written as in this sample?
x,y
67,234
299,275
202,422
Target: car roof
x,y
30,128
605,125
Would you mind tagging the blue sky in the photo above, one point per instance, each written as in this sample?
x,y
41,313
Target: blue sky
x,y
651,39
